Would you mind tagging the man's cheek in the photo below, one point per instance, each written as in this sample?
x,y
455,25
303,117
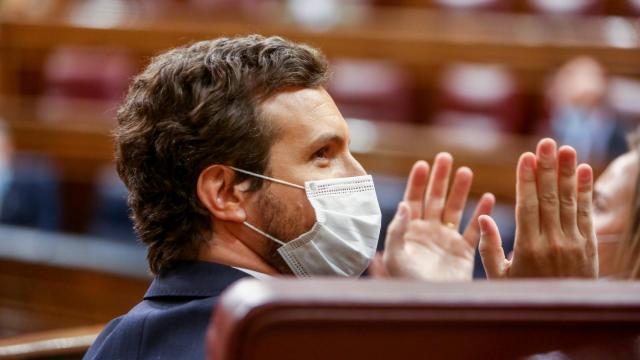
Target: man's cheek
x,y
309,214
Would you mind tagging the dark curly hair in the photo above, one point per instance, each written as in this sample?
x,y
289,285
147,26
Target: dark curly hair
x,y
192,107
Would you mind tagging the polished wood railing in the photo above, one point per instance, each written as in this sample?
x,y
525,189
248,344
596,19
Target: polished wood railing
x,y
71,343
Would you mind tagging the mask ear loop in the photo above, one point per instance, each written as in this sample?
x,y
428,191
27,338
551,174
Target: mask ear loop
x,y
263,233
268,178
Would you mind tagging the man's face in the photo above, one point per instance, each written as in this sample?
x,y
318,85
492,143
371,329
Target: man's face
x,y
612,203
312,144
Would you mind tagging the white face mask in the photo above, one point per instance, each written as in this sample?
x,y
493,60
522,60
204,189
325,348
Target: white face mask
x,y
344,238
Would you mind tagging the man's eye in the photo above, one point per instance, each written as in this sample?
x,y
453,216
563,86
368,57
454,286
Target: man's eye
x,y
322,153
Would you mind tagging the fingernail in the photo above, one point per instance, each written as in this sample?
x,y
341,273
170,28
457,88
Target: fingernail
x,y
401,211
585,176
528,163
547,146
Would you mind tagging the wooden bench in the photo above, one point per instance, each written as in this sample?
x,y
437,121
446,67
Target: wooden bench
x,y
364,320
52,281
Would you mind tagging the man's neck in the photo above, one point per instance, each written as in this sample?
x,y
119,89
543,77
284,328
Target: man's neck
x,y
226,249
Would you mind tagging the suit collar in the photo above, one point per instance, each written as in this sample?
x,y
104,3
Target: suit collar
x,y
193,279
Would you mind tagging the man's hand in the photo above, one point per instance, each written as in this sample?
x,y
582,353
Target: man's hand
x,y
554,229
423,241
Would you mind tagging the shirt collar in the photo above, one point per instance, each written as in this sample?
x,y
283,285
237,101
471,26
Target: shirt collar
x,y
255,274
193,279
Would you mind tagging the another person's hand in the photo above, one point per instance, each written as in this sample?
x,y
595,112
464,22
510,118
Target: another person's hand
x,y
554,227
423,240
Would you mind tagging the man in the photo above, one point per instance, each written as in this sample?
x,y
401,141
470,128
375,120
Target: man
x,y
237,163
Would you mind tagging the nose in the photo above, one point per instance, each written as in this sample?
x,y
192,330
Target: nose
x,y
354,168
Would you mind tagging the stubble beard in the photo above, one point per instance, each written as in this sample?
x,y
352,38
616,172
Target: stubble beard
x,y
281,222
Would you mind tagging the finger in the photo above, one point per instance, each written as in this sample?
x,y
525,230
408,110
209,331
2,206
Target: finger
x,y
567,189
547,180
490,249
397,228
458,196
585,197
376,268
437,189
416,187
484,207
527,211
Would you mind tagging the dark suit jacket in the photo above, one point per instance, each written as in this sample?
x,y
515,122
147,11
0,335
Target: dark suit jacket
x,y
171,321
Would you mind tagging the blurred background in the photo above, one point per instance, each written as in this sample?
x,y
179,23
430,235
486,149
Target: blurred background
x,y
481,79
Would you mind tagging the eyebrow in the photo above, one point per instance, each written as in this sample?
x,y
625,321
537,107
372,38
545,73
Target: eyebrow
x,y
327,138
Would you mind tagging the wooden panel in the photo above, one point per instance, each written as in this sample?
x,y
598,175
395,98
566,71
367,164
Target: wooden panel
x,y
70,342
416,38
37,297
355,319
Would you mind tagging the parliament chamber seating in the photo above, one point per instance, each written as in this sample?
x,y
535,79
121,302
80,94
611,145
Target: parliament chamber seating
x,y
55,288
376,319
51,281
372,90
81,73
58,101
373,319
480,96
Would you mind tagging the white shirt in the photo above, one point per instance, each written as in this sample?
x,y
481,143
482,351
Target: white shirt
x,y
255,274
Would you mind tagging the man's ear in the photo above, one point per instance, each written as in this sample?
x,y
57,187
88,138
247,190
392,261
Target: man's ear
x,y
220,195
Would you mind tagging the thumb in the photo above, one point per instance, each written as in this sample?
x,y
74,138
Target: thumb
x,y
490,248
377,268
398,227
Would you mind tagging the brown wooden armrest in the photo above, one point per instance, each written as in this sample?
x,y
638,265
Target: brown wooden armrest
x,y
289,319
